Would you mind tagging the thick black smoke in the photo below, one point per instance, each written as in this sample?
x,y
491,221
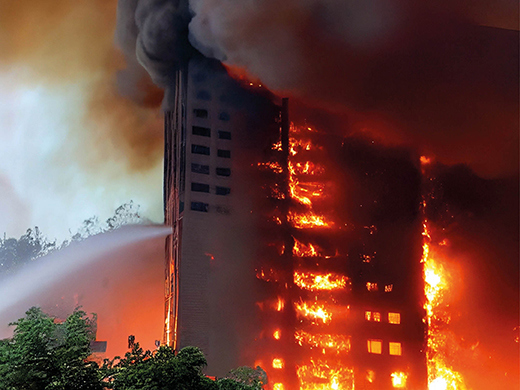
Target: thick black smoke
x,y
153,36
428,76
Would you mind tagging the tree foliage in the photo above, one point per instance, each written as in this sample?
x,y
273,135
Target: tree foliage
x,y
163,369
45,354
31,245
14,253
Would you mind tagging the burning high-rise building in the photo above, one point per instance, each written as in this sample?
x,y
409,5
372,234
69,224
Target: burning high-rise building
x,y
338,293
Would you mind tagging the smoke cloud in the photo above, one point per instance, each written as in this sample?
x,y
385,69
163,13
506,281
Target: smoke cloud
x,y
73,145
427,76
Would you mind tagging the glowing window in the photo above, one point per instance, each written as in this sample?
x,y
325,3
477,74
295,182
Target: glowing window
x,y
371,376
371,286
394,318
278,386
373,316
389,287
278,363
277,334
375,346
395,349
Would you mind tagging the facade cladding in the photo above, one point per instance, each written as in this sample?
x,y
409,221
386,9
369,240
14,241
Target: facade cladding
x,y
221,208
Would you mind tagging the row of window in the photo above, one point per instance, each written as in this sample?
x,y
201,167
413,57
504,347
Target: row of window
x,y
375,316
376,347
204,169
204,150
201,187
374,287
204,207
203,114
206,132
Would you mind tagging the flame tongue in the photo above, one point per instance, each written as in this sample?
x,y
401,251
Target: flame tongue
x,y
322,352
440,375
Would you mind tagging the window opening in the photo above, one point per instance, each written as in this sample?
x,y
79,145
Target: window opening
x,y
224,134
375,346
202,131
224,153
199,149
199,187
200,206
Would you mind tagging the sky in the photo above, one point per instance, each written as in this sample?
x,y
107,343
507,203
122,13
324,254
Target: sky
x,y
71,146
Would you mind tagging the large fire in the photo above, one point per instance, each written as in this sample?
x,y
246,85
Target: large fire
x,y
313,295
315,308
441,376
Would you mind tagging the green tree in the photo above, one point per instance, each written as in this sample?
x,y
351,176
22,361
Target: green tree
x,y
14,253
163,369
256,378
45,354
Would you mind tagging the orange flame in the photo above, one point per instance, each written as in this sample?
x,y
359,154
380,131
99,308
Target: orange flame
x,y
314,311
440,375
309,220
399,380
321,376
314,282
273,166
302,250
334,343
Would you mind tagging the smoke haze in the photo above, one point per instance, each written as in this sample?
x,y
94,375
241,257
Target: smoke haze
x,y
429,77
72,146
117,275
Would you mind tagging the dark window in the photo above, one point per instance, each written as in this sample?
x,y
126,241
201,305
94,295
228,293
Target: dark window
x,y
199,149
223,190
200,187
200,113
199,206
203,131
203,95
181,207
224,153
224,116
223,172
199,168
224,134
